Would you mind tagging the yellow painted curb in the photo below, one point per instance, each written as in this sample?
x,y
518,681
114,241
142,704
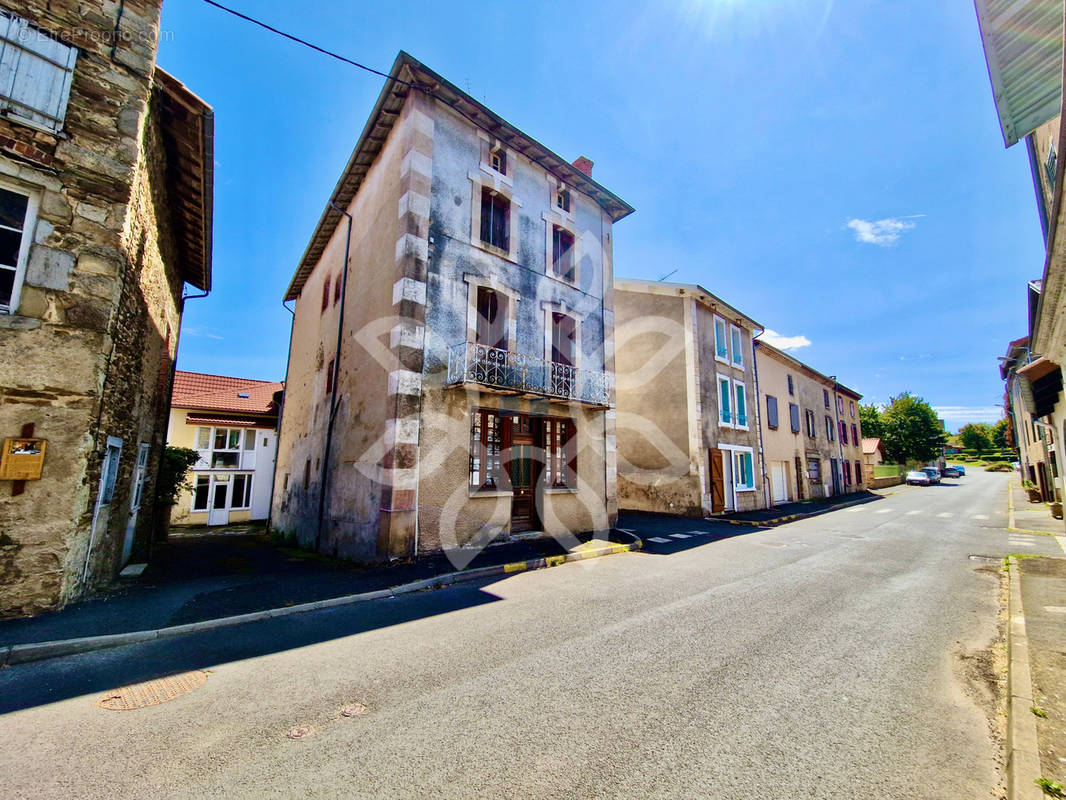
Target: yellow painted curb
x,y
517,566
554,561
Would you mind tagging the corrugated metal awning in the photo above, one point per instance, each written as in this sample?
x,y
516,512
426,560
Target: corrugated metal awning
x,y
1023,47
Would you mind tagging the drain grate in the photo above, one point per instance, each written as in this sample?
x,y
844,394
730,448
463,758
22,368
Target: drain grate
x,y
152,693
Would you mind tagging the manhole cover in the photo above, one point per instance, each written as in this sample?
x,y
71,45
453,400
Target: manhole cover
x,y
300,732
354,710
152,693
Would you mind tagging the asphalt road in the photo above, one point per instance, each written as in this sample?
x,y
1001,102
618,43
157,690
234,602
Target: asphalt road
x,y
823,659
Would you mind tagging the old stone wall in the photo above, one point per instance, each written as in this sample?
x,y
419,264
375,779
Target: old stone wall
x,y
82,356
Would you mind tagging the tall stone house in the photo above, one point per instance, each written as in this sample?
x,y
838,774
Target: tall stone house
x,y
449,378
812,436
232,423
105,214
1023,44
688,425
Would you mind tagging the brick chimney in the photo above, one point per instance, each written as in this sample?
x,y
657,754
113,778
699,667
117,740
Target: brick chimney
x,y
582,164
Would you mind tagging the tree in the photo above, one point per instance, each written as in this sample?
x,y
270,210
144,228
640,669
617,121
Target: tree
x,y
173,470
870,417
1000,434
976,436
911,430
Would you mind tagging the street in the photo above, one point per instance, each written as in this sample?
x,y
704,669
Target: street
x,y
847,655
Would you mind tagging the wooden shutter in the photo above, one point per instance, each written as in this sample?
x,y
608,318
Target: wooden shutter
x,y
35,73
794,417
570,452
771,411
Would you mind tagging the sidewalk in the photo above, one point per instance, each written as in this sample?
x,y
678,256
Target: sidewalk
x,y
212,573
1043,607
1030,517
788,512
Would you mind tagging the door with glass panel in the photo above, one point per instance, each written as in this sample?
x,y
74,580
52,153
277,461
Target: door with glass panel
x,y
525,458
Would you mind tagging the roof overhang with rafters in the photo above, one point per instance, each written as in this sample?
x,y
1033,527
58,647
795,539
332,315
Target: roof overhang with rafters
x,y
188,132
1023,47
407,75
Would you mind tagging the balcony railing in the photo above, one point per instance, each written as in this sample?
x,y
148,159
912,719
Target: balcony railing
x,y
522,374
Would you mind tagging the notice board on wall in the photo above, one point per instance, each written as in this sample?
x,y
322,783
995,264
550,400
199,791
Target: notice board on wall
x,y
22,459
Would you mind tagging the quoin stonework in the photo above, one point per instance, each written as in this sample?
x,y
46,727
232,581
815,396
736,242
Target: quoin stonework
x,y
105,214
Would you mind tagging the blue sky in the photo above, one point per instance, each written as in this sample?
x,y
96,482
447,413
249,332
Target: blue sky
x,y
833,168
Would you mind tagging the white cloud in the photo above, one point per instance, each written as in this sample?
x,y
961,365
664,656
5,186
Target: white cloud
x,y
882,232
775,339
202,332
964,414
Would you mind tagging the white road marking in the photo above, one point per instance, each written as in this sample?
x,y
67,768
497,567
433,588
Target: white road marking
x,y
855,510
945,514
700,533
1055,609
916,511
1062,542
1022,543
680,536
658,540
884,511
980,516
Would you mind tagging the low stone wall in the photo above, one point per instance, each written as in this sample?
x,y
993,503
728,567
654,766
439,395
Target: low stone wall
x,y
881,483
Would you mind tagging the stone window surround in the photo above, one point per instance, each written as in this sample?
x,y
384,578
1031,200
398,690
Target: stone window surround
x,y
553,219
475,282
550,308
725,332
29,227
554,187
488,178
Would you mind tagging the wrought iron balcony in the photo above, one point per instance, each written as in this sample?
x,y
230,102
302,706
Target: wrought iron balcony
x,y
516,373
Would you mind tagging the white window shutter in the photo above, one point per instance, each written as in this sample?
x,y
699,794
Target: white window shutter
x,y
35,73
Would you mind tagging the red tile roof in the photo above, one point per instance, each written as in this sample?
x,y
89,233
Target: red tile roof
x,y
870,446
220,393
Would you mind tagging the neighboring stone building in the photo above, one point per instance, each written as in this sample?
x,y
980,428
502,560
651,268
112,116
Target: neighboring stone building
x,y
451,385
105,212
688,422
812,441
233,423
873,455
1026,71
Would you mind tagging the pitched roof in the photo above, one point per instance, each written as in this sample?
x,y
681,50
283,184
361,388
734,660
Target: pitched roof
x,y
768,349
706,297
221,393
870,446
409,74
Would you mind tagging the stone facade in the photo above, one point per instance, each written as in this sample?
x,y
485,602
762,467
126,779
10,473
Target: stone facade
x,y
395,478
688,416
86,353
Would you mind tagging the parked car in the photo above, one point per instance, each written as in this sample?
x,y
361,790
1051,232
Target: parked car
x,y
950,472
917,477
959,468
933,473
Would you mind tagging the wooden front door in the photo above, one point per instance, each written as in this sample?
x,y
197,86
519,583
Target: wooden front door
x,y
717,481
525,458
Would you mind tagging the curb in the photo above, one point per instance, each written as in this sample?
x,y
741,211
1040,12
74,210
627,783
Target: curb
x,y
1023,755
39,651
769,523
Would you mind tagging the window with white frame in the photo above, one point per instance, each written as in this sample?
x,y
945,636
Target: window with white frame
x,y
240,491
18,211
220,448
36,71
737,341
740,392
743,470
721,342
725,401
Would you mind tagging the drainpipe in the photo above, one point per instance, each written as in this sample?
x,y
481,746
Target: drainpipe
x,y
840,441
767,497
336,370
281,417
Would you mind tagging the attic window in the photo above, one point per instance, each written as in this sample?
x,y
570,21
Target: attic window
x,y
243,395
498,160
562,199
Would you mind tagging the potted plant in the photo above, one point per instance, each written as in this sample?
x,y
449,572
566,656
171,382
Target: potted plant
x,y
1031,488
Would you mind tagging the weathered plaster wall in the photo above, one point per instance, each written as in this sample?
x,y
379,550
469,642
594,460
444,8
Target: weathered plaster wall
x,y
356,480
448,514
81,358
657,462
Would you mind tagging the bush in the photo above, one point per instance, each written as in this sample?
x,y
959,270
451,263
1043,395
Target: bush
x,y
172,471
999,466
